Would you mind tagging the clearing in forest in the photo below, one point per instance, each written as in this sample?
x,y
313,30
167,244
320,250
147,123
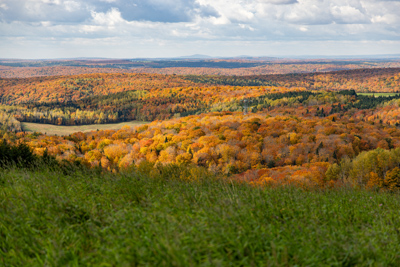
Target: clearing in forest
x,y
378,94
67,130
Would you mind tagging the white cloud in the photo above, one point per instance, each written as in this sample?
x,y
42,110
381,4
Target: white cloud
x,y
387,19
185,22
235,10
110,18
246,27
348,15
222,20
279,2
308,12
71,6
303,29
54,2
3,6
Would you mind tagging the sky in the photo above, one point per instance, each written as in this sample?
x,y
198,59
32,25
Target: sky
x,y
39,29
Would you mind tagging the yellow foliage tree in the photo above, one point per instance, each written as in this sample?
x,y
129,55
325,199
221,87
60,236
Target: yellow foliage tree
x,y
392,179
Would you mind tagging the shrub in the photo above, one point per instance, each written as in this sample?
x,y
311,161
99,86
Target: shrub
x,y
20,155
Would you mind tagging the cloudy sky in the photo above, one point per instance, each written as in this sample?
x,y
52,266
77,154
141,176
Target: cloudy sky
x,y
168,28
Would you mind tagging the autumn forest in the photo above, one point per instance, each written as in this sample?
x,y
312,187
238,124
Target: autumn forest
x,y
304,128
227,131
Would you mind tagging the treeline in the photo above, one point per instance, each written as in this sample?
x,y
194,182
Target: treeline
x,y
377,168
367,102
72,88
359,102
229,80
360,80
223,142
20,155
180,102
157,104
119,107
137,105
8,122
108,98
298,145
16,154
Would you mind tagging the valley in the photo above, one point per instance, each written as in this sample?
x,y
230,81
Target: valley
x,y
203,154
199,133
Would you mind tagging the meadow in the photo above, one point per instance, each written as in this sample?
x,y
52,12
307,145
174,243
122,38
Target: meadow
x,y
186,216
67,130
378,94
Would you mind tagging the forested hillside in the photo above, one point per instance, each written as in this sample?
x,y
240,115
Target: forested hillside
x,y
154,104
229,142
70,88
363,80
111,98
251,165
298,128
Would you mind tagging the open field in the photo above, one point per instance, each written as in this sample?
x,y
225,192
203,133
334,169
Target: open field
x,y
67,130
153,217
378,94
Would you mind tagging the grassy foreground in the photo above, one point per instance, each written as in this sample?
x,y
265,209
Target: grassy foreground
x,y
158,217
67,130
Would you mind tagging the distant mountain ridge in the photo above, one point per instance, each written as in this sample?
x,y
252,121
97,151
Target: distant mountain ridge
x,y
196,56
207,57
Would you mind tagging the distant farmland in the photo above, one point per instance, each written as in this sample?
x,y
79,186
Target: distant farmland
x,y
67,130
